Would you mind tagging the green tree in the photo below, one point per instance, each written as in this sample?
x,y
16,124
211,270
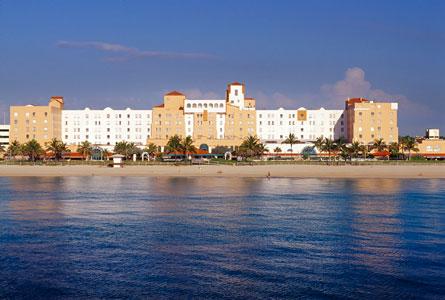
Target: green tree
x,y
85,148
329,146
14,149
173,144
260,149
186,146
319,143
345,152
356,149
57,147
379,145
277,150
32,149
410,144
126,149
151,149
249,147
291,140
394,149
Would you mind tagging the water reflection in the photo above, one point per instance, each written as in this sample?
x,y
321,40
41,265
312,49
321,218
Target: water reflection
x,y
220,237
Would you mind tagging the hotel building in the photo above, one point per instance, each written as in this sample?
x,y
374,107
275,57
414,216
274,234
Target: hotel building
x,y
274,126
210,123
224,122
42,123
106,127
369,120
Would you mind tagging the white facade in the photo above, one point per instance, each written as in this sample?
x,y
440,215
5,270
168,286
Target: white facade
x,y
4,135
432,133
276,125
106,127
198,106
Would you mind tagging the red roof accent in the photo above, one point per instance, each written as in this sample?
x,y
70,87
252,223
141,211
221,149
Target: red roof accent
x,y
356,100
72,155
236,83
174,93
381,153
160,105
249,98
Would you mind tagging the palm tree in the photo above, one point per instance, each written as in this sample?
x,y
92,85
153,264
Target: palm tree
x,y
151,149
345,152
260,149
329,146
14,149
410,144
394,149
187,146
277,150
379,145
85,148
126,149
319,142
57,147
291,140
356,148
173,144
249,147
105,154
32,149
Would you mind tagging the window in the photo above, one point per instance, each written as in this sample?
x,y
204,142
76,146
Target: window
x,y
236,92
189,105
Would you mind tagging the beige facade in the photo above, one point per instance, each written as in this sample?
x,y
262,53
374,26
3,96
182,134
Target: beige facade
x,y
168,119
41,123
369,120
432,148
211,122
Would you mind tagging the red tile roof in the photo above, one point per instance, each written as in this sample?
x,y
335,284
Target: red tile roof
x,y
236,83
174,93
356,100
160,105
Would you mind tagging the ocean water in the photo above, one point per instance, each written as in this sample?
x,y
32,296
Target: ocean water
x,y
233,238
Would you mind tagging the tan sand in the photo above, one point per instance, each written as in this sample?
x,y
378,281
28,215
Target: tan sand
x,y
312,171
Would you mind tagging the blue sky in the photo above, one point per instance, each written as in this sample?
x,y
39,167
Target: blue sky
x,y
289,53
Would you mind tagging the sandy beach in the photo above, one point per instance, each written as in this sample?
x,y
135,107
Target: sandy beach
x,y
297,171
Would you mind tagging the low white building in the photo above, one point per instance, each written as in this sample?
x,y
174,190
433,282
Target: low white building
x,y
306,125
4,135
106,127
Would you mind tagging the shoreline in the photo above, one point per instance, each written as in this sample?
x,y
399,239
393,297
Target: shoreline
x,y
261,171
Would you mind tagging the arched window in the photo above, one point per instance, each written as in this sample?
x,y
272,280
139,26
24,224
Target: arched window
x,y
188,105
199,105
205,105
211,105
221,105
194,105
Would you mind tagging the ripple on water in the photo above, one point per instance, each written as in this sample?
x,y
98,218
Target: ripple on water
x,y
221,238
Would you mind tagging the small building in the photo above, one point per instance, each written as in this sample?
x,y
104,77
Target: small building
x,y
118,161
432,147
432,133
4,135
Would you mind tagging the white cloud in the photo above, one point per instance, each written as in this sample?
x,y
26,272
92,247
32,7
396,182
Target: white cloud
x,y
127,53
354,85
